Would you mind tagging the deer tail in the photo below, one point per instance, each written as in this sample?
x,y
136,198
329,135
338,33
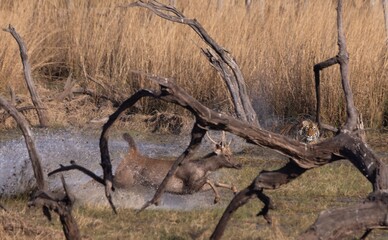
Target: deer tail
x,y
131,142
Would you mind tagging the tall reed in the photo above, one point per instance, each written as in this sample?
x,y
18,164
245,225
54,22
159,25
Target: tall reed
x,y
276,47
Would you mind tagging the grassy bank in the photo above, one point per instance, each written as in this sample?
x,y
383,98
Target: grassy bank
x,y
276,47
297,205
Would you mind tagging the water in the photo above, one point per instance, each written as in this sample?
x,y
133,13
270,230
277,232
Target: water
x,y
62,146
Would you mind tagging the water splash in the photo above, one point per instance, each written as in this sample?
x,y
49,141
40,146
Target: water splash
x,y
62,146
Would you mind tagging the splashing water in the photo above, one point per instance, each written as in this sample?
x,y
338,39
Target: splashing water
x,y
62,146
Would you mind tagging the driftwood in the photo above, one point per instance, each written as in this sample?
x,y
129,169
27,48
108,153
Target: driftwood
x,y
40,109
219,58
42,197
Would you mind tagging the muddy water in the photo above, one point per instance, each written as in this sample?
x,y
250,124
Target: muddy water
x,y
62,146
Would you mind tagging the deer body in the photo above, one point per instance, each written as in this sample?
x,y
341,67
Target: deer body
x,y
190,177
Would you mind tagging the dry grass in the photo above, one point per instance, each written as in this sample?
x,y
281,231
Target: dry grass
x,y
276,51
297,206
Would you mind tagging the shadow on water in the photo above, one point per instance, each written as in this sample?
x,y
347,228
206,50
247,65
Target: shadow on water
x,y
57,146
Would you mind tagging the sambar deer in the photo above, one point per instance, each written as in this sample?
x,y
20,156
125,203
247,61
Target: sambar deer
x,y
190,177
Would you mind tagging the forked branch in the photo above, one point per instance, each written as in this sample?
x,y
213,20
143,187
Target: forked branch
x,y
342,59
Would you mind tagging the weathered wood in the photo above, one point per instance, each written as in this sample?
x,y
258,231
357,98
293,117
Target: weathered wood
x,y
359,218
219,58
30,142
343,59
61,204
74,166
106,163
346,144
40,109
303,157
317,68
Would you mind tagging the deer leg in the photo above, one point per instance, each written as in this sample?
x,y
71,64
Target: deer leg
x,y
223,185
217,196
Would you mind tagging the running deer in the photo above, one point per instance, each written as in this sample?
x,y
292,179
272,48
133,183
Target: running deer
x,y
190,177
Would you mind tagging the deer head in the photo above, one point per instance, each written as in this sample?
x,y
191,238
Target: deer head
x,y
222,149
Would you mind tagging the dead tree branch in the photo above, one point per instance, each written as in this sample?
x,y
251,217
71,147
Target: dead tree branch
x,y
218,57
346,144
350,146
42,115
74,166
342,59
30,142
61,204
6,115
303,157
337,223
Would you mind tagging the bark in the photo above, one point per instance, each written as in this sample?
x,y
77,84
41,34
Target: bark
x,y
219,58
61,204
30,142
337,223
346,144
303,157
40,109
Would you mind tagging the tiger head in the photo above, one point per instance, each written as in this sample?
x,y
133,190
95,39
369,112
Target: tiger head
x,y
309,132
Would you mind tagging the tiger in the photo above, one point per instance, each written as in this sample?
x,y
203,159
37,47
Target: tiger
x,y
309,132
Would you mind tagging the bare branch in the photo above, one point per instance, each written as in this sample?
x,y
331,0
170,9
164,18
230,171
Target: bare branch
x,y
104,149
75,166
337,223
42,115
196,137
317,68
343,59
302,156
219,58
30,142
61,204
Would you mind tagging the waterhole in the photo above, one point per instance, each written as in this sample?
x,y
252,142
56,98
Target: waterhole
x,y
57,146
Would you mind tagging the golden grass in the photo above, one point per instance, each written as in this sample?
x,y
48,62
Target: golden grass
x,y
276,51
